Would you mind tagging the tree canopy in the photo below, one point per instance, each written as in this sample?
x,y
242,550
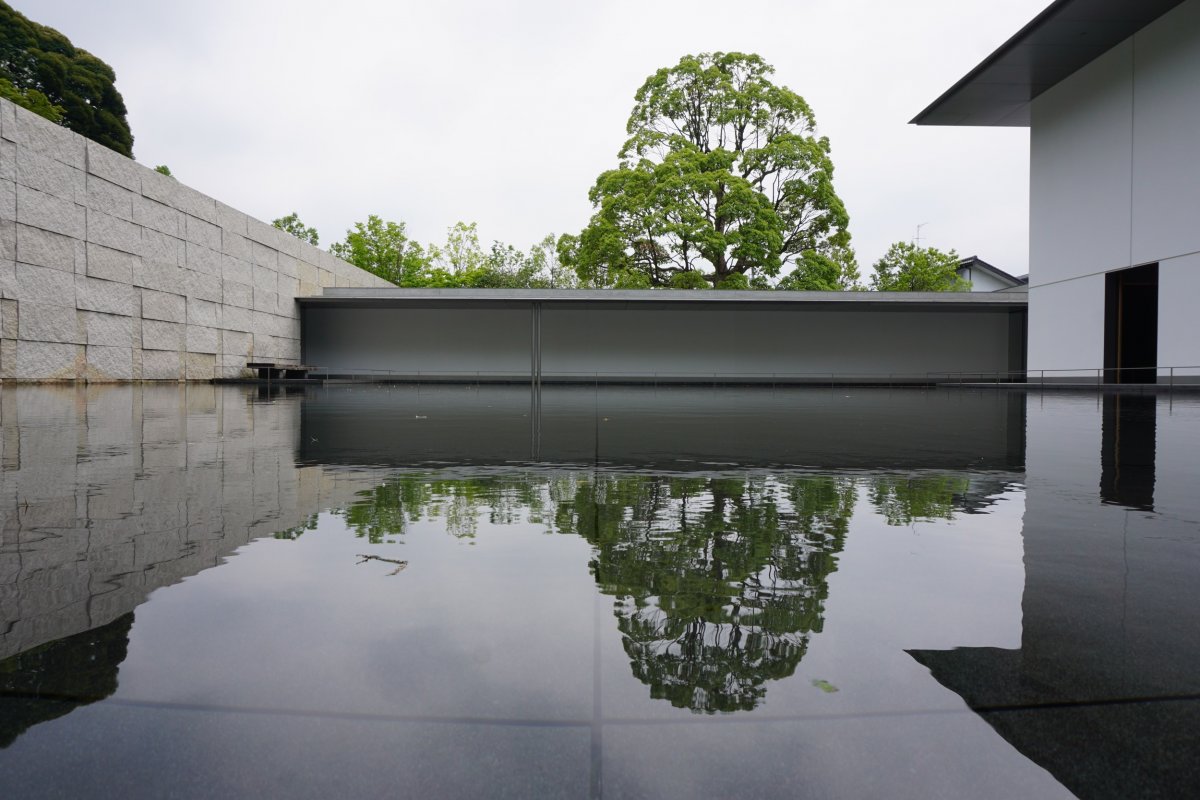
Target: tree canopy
x,y
384,249
295,226
41,70
907,267
723,182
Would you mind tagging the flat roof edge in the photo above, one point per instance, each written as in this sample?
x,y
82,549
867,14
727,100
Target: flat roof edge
x,y
661,296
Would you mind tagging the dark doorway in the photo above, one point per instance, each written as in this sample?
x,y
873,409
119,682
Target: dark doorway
x,y
1131,325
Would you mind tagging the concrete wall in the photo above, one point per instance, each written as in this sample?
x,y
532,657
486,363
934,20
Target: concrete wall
x,y
983,281
644,340
110,271
110,492
1115,183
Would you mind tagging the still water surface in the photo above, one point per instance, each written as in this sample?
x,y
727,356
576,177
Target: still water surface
x,y
458,591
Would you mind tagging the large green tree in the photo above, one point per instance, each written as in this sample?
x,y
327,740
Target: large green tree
x,y
907,267
61,82
722,176
384,249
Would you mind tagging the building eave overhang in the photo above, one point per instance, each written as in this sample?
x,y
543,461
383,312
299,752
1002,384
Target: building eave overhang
x,y
1066,36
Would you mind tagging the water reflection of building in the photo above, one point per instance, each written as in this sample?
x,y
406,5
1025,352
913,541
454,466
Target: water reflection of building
x,y
1103,691
678,427
108,493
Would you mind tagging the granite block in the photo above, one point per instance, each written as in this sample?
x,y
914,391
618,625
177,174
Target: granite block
x,y
163,306
110,198
111,297
237,294
113,167
45,248
38,171
201,339
236,343
200,366
157,216
43,285
48,361
231,220
8,240
264,256
8,121
9,316
113,232
160,277
236,269
306,272
50,212
161,248
201,259
266,278
266,301
235,318
237,246
45,137
262,233
109,363
111,265
202,286
206,234
43,323
158,365
158,335
203,312
109,330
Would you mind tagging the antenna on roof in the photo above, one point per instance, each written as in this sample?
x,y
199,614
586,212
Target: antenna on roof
x,y
917,238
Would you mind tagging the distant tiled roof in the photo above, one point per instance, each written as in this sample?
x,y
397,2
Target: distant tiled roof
x,y
975,262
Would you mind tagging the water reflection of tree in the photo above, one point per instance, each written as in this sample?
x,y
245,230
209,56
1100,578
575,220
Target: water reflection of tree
x,y
719,582
904,499
386,512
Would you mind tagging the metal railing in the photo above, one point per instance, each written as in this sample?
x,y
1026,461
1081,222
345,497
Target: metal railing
x,y
1169,376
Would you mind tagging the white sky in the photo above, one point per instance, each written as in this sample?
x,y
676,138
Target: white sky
x,y
505,113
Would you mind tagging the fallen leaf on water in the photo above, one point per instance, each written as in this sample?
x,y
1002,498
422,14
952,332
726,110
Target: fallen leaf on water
x,y
824,686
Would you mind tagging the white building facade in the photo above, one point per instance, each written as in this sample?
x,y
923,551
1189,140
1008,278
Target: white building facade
x,y
1111,93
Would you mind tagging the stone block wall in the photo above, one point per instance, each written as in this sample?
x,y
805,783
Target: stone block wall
x,y
110,271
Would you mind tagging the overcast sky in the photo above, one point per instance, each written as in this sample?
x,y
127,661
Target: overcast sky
x,y
504,113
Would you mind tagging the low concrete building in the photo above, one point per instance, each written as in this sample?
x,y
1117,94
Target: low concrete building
x,y
1110,93
662,336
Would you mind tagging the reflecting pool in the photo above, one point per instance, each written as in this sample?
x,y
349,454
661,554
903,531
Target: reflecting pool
x,y
598,592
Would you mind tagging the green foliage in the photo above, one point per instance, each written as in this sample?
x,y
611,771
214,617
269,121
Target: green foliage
x,y
903,500
689,279
384,249
163,169
31,99
76,88
295,226
832,271
722,175
909,268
